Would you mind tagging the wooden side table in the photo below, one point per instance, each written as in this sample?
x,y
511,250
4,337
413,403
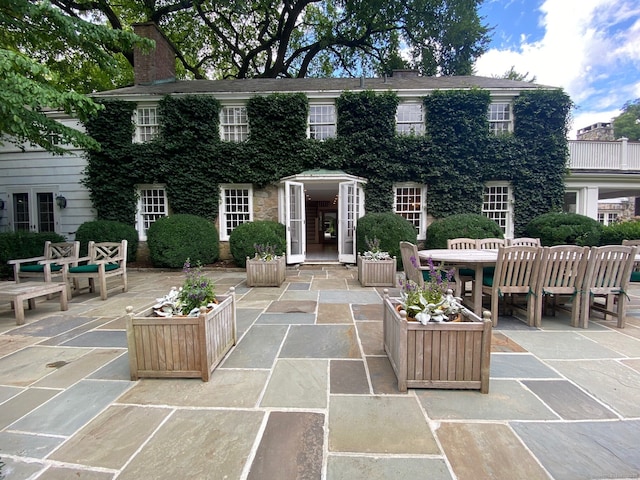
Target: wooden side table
x,y
19,292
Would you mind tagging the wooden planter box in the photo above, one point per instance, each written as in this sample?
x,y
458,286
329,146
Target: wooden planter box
x,y
453,355
377,273
266,274
181,346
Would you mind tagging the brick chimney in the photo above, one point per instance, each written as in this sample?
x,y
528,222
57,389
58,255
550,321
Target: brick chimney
x,y
159,64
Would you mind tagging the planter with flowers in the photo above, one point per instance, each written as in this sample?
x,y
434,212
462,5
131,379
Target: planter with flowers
x,y
375,267
432,341
185,334
266,268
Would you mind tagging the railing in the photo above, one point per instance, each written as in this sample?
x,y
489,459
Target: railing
x,y
594,155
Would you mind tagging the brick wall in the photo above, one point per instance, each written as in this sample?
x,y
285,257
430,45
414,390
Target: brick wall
x,y
159,64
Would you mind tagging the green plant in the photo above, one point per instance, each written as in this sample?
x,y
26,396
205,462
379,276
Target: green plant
x,y
375,253
176,237
390,228
244,237
615,233
266,253
15,245
565,229
466,225
197,290
108,231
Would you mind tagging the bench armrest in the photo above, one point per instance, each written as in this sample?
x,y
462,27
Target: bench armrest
x,y
25,260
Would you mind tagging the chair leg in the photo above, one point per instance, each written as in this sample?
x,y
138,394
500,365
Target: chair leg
x,y
575,310
494,308
125,283
622,309
103,288
585,309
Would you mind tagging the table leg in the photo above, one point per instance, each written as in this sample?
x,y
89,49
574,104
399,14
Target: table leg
x,y
477,290
19,309
63,299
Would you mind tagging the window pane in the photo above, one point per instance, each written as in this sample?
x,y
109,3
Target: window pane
x,y
499,116
153,203
45,212
409,204
322,121
21,212
234,124
409,119
236,208
147,123
496,205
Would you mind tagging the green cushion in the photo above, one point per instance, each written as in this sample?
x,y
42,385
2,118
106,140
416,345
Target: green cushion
x,y
39,268
92,268
467,272
487,280
488,271
635,276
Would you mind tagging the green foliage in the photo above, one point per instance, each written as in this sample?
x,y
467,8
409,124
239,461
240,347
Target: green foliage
x,y
465,225
47,59
627,124
565,229
175,238
16,245
108,231
244,237
197,289
262,38
615,233
389,228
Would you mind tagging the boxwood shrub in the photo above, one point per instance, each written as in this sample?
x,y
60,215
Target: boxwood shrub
x,y
245,236
464,225
390,228
108,231
175,238
565,229
615,233
16,245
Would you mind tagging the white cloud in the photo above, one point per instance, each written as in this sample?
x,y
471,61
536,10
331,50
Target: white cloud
x,y
590,48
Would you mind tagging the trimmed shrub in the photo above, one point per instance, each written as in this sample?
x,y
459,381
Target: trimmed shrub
x,y
175,238
17,245
464,225
615,233
262,232
108,231
565,229
390,228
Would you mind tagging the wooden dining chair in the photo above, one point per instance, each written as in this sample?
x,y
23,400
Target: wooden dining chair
x,y
413,270
607,277
561,273
490,243
463,275
515,275
635,273
525,242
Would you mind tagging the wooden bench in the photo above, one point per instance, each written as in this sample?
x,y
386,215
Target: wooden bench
x,y
17,293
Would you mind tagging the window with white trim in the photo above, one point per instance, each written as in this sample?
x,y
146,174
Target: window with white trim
x,y
152,204
607,218
497,204
236,207
146,122
409,119
499,116
234,124
410,201
322,121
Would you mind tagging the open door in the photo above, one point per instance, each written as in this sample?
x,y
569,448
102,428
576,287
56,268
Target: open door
x,y
295,222
350,208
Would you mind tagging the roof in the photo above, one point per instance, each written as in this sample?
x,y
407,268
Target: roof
x,y
288,85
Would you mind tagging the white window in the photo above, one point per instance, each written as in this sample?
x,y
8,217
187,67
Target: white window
x,y
497,205
234,124
33,209
146,121
607,218
409,120
410,202
500,118
152,204
322,121
236,207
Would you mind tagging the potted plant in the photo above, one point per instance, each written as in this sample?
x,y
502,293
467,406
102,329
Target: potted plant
x,y
186,333
266,268
432,341
375,267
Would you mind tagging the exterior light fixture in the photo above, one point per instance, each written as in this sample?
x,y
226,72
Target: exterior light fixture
x,y
61,201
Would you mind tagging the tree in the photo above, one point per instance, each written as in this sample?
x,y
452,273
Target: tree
x,y
300,38
512,74
47,61
627,124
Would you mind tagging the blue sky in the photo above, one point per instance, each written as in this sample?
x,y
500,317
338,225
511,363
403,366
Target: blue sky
x,y
590,48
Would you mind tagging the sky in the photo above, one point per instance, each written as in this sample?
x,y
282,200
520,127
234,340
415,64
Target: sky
x,y
589,48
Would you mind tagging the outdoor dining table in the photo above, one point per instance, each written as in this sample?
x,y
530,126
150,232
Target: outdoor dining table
x,y
468,258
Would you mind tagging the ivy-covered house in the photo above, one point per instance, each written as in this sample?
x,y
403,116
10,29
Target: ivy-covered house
x,y
313,153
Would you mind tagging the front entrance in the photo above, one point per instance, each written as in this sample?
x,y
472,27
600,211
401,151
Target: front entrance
x,y
321,209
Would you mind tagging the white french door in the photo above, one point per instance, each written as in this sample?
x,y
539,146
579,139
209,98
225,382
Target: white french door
x,y
32,210
295,222
350,208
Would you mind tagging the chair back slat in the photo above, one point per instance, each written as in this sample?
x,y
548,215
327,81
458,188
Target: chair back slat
x,y
562,268
411,262
610,267
462,243
62,250
490,243
525,242
517,269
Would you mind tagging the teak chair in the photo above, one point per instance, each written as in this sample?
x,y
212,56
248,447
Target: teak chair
x,y
490,243
562,269
525,242
516,273
49,265
104,260
461,243
608,274
463,275
411,263
635,273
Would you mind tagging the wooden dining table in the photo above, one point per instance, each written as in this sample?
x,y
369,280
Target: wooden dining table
x,y
466,258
